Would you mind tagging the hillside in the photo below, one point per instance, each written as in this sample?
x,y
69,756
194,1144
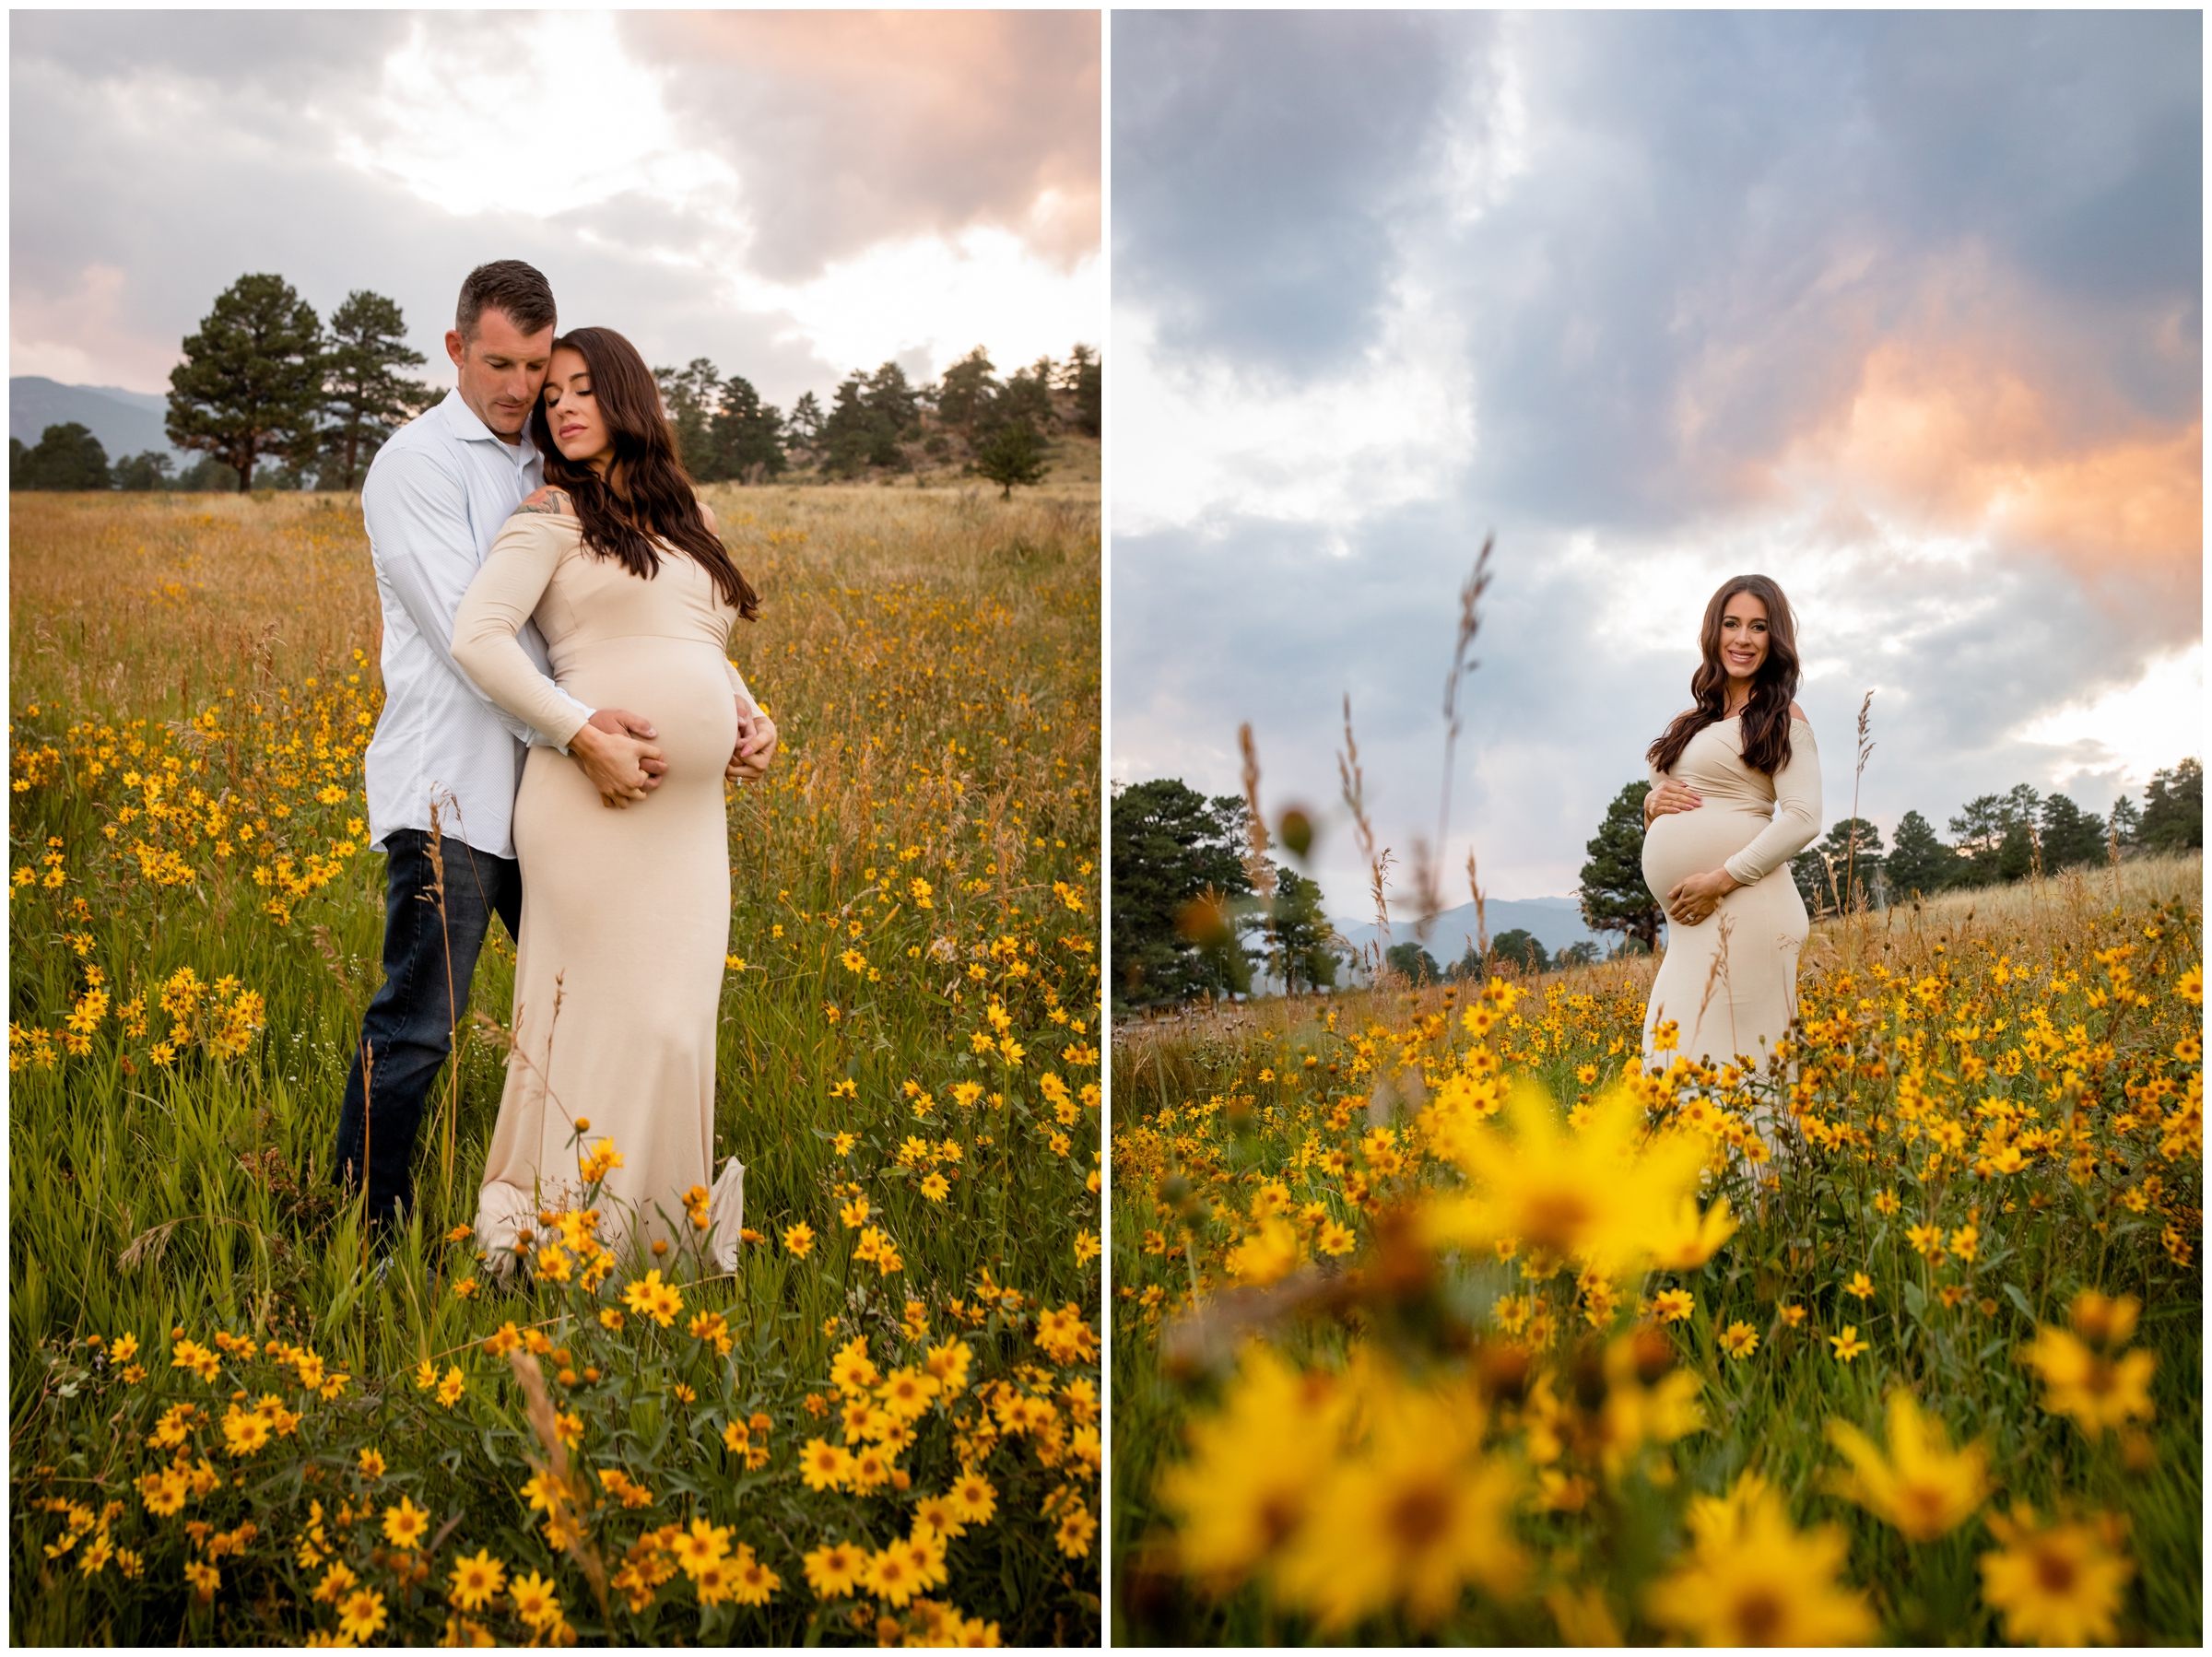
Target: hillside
x,y
124,422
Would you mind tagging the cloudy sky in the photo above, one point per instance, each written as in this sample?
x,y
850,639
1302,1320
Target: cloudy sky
x,y
1900,310
790,195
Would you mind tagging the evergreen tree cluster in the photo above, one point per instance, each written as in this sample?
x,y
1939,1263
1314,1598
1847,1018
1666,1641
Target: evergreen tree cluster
x,y
1995,839
270,392
991,428
1185,918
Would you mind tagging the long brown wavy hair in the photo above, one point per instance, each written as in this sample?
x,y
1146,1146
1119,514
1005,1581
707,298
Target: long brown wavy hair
x,y
1767,714
646,492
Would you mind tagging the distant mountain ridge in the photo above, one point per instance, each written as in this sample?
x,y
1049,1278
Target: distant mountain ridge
x,y
125,422
1553,921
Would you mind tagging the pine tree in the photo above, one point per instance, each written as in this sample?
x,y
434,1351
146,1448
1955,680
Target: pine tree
x,y
1014,456
688,396
1849,857
1085,378
965,393
2173,808
1918,862
367,344
848,431
1302,935
1614,896
748,432
1170,847
2126,827
2071,836
252,379
806,422
1998,834
1028,398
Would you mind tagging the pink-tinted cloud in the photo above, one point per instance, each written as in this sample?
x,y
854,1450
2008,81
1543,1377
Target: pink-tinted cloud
x,y
1965,436
850,128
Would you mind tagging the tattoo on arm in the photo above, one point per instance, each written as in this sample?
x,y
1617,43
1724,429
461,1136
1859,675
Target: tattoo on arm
x,y
556,502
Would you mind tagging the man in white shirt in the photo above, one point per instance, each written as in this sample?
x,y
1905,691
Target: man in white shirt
x,y
445,761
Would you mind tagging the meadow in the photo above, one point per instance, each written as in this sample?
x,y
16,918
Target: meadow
x,y
1435,1318
883,1426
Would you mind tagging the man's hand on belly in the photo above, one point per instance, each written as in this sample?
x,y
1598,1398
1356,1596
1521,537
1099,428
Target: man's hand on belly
x,y
1689,901
616,750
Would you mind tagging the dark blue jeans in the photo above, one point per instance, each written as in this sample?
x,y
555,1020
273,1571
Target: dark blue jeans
x,y
407,1032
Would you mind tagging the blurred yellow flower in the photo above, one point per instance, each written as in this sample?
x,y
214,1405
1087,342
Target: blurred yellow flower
x,y
2096,1391
1923,1488
1754,1579
1603,1194
834,1571
2060,1585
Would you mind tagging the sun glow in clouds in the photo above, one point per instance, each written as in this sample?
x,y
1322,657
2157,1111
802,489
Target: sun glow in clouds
x,y
983,288
2141,727
559,118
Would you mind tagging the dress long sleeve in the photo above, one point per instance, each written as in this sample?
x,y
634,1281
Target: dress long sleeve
x,y
1796,812
500,600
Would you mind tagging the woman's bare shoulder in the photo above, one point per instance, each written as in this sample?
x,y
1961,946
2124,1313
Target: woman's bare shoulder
x,y
548,500
707,512
1797,713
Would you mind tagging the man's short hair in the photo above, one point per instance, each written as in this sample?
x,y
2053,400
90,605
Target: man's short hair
x,y
521,291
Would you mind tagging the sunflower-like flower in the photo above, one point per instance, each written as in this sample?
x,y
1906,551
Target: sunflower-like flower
x,y
1752,1577
2059,1584
1605,1194
1922,1486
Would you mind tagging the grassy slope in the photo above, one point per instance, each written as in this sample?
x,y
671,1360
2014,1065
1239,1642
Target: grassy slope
x,y
932,659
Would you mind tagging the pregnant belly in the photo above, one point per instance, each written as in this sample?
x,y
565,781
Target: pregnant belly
x,y
681,687
1683,843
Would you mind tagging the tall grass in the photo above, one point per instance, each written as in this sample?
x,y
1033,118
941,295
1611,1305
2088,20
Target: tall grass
x,y
1296,1176
194,681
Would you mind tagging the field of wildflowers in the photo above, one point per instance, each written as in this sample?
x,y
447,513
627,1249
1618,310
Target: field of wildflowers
x,y
883,1426
1436,1318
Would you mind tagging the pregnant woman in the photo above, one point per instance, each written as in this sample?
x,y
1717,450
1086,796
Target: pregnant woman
x,y
1735,793
626,901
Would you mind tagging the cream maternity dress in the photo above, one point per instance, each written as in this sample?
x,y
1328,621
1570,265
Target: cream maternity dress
x,y
626,913
1730,981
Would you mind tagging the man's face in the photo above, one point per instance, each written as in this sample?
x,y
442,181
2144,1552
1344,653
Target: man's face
x,y
501,370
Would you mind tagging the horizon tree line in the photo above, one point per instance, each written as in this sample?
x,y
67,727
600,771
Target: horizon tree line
x,y
1186,922
1995,840
266,384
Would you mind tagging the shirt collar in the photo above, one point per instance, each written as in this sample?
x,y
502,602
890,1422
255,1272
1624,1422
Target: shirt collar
x,y
461,421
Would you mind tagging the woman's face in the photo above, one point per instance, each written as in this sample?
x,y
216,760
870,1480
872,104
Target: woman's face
x,y
573,412
1742,630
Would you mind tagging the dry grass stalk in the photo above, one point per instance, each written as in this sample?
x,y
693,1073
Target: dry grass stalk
x,y
566,1487
1378,866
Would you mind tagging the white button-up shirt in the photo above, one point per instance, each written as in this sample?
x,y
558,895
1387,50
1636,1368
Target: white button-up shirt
x,y
436,497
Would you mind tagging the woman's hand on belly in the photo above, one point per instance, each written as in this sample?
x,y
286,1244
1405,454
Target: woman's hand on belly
x,y
1670,797
756,745
1689,901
